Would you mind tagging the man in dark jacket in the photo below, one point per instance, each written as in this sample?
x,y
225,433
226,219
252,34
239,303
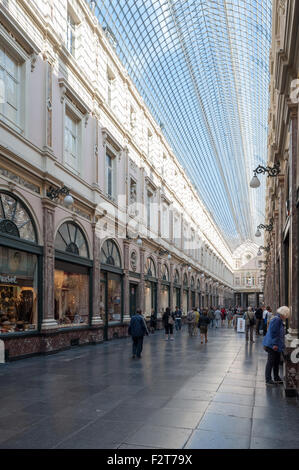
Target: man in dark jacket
x,y
259,319
137,329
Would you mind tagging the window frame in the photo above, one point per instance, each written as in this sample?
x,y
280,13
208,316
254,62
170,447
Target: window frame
x,y
73,112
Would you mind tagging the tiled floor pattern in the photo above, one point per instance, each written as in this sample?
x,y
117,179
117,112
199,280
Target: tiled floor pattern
x,y
181,394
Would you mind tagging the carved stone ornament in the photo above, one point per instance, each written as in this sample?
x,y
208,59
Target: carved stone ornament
x,y
133,261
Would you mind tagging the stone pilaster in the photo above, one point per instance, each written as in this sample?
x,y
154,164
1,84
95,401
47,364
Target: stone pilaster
x,y
48,321
159,263
171,287
141,289
291,365
126,287
96,280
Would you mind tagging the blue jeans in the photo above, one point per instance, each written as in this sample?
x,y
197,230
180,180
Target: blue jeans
x,y
137,345
212,322
178,323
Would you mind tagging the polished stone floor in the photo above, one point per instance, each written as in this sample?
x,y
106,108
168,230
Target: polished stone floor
x,y
181,394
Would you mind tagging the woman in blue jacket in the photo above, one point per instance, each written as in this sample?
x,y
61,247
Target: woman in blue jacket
x,y
274,345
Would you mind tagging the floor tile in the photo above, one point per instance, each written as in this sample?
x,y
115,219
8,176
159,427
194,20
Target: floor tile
x,y
215,440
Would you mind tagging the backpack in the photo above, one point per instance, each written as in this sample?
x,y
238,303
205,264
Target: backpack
x,y
251,320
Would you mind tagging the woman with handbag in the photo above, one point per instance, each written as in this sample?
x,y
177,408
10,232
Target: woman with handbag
x,y
168,322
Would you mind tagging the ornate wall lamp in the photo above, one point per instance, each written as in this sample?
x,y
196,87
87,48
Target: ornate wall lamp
x,y
164,252
54,193
189,267
268,228
255,182
266,248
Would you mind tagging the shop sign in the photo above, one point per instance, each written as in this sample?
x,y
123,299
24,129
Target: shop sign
x,y
241,325
8,279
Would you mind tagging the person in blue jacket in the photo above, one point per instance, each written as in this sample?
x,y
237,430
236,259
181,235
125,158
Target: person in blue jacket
x,y
137,329
274,344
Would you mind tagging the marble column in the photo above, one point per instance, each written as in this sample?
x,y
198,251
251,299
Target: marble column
x,y
48,322
171,287
291,365
96,279
126,282
159,263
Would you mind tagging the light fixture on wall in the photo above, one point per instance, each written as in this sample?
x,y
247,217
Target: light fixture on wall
x,y
255,182
139,240
53,193
268,228
164,252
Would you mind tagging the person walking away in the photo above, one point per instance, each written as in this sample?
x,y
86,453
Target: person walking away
x,y
190,322
203,324
137,330
196,320
249,323
229,318
259,319
211,316
168,322
153,321
223,316
274,344
217,317
178,318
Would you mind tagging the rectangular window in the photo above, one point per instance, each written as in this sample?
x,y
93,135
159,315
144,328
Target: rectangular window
x,y
165,221
110,176
9,86
70,34
71,141
149,208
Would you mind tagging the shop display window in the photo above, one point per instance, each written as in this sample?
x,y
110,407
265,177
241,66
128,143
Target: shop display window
x,y
164,297
18,291
114,307
71,288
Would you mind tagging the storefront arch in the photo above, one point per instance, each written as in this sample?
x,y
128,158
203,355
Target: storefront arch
x,y
177,289
70,238
16,219
150,277
110,254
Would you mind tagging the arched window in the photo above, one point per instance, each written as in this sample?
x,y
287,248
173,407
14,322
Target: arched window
x,y
71,239
15,219
150,268
185,280
192,283
165,273
110,254
176,277
198,285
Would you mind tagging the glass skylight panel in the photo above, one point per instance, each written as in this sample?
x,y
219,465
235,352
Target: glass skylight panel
x,y
202,68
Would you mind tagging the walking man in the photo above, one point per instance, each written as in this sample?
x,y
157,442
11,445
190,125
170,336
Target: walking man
x,y
229,317
274,344
190,321
249,323
217,317
137,329
178,318
211,316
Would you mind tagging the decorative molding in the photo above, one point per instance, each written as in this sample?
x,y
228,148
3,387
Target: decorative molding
x,y
108,137
67,90
18,179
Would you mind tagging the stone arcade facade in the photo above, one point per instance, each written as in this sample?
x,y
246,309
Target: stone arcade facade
x,y
282,204
71,116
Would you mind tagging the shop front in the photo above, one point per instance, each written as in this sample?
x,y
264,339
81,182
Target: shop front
x,y
111,289
177,289
72,277
193,295
165,289
20,268
198,294
150,287
185,303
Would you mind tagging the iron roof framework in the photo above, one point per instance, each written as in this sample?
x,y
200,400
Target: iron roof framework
x,y
202,68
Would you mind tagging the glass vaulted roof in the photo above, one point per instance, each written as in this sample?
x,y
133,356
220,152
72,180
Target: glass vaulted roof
x,y
202,68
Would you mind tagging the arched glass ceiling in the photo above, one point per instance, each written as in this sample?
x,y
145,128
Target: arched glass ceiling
x,y
202,68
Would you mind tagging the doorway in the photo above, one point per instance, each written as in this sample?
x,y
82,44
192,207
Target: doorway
x,y
133,298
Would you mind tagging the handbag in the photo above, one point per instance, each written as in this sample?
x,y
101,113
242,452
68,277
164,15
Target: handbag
x,y
170,320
